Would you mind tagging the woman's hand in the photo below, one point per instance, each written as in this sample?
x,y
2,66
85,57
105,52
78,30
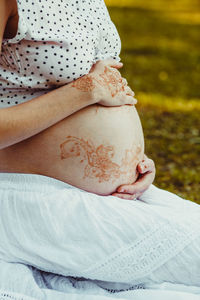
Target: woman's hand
x,y
106,85
147,171
112,88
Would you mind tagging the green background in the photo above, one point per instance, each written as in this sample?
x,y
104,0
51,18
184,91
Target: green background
x,y
161,56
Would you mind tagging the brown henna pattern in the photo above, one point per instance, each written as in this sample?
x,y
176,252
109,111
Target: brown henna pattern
x,y
110,78
85,84
113,80
98,160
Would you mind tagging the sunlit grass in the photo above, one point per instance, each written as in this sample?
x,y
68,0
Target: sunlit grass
x,y
184,11
166,5
170,104
160,56
189,18
172,140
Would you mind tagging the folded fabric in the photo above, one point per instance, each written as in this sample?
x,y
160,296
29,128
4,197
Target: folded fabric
x,y
56,240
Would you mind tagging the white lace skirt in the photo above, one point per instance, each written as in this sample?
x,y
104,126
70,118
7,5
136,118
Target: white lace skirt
x,y
56,239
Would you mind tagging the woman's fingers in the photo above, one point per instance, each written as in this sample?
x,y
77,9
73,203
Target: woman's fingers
x,y
146,165
101,64
124,196
127,99
124,82
113,63
112,87
140,186
147,171
129,91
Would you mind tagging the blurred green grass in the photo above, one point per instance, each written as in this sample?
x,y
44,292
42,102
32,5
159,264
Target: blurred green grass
x,y
161,56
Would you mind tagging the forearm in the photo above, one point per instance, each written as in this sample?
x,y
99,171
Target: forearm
x,y
22,121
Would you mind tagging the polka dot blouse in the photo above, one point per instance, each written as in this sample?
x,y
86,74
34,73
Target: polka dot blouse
x,y
57,42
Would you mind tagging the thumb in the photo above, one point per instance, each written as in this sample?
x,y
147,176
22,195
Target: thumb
x,y
113,63
100,64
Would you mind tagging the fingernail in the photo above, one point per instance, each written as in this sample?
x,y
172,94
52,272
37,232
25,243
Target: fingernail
x,y
142,167
121,190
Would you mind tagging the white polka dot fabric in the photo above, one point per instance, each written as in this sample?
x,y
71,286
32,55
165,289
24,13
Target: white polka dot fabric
x,y
57,41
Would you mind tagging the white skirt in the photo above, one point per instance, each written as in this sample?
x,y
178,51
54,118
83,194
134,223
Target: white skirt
x,y
60,242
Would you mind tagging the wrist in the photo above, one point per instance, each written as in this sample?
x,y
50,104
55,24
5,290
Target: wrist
x,y
87,88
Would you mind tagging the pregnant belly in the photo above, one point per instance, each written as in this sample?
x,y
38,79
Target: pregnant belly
x,y
96,149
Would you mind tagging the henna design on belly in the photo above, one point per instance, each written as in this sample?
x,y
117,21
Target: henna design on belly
x,y
98,160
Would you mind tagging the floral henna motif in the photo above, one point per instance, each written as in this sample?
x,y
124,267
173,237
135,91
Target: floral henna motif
x,y
130,161
110,78
85,84
113,80
99,160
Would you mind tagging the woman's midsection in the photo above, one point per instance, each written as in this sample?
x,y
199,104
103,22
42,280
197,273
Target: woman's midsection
x,y
96,149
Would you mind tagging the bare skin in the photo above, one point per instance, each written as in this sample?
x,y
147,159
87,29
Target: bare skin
x,y
84,84
22,138
108,78
9,19
99,162
86,150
